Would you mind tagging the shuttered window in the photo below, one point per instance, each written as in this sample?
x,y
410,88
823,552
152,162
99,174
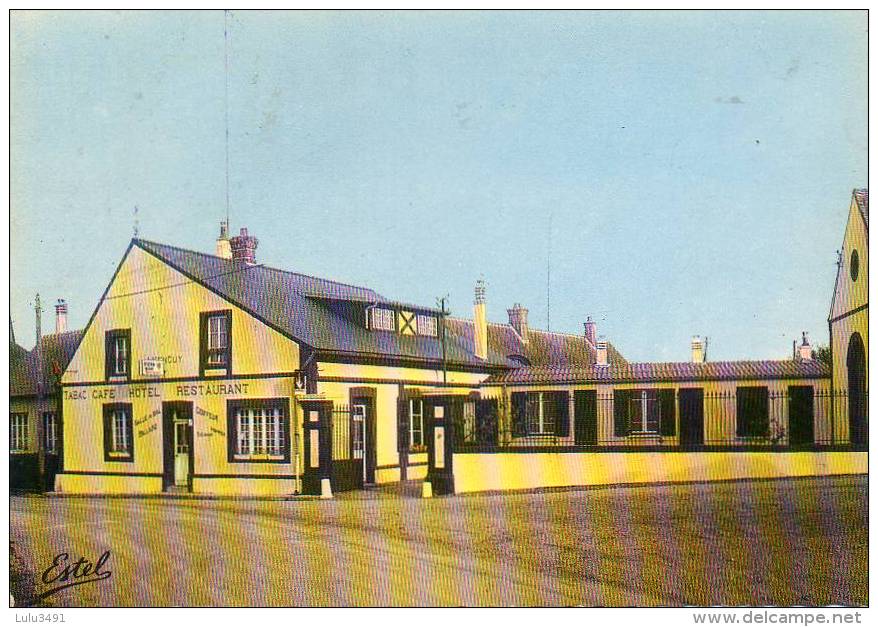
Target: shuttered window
x,y
19,438
752,412
258,430
644,412
540,414
118,433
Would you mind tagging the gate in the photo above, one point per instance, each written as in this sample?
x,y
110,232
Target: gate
x,y
348,447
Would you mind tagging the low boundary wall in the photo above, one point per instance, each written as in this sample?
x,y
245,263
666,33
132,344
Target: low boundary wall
x,y
481,472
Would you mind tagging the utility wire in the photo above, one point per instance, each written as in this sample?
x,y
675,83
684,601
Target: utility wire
x,y
226,39
181,283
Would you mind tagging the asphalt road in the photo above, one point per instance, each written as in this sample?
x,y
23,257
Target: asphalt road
x,y
784,542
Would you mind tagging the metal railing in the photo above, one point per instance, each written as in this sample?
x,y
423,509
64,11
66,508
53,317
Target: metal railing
x,y
748,417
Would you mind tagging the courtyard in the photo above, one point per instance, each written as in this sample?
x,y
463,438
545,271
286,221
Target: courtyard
x,y
778,542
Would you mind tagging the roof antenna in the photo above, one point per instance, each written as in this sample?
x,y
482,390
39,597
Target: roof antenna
x,y
136,222
549,278
226,38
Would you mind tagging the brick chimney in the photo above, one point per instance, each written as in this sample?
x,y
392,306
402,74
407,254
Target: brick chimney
x,y
601,358
697,350
591,330
518,320
805,348
244,247
480,322
61,316
223,247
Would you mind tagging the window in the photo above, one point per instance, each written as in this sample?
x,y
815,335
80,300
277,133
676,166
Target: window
x,y
50,432
118,433
19,442
118,353
258,431
216,341
427,325
855,265
540,414
644,412
752,412
416,424
382,319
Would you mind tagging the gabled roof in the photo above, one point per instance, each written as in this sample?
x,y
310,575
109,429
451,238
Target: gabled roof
x,y
317,312
861,196
24,366
667,371
311,310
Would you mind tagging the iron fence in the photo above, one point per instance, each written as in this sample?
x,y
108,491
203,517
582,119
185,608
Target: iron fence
x,y
746,417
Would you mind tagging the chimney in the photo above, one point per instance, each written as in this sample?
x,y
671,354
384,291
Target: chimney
x,y
697,350
805,348
244,247
61,316
518,320
223,247
480,322
591,330
601,353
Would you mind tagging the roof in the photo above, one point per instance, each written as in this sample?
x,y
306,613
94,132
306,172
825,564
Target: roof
x,y
316,312
666,371
57,351
861,196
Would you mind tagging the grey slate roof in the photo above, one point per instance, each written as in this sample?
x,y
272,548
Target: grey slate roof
x,y
665,371
317,312
58,349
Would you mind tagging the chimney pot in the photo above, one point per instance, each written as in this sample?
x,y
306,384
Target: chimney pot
x,y
61,316
223,247
697,350
480,322
601,358
591,330
518,320
805,351
243,247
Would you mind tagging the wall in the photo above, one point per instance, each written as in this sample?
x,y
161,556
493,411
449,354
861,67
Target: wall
x,y
480,472
336,380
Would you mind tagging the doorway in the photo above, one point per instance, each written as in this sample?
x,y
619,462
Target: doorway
x,y
801,415
691,417
363,432
179,459
857,403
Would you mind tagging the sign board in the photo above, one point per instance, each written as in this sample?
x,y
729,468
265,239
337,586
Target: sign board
x,y
439,446
152,368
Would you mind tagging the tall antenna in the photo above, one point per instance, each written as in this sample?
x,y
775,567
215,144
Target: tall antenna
x,y
136,223
549,278
226,38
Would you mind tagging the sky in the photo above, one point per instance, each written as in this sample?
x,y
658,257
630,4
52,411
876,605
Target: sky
x,y
667,173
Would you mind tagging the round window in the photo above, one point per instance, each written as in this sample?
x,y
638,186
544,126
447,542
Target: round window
x,y
855,266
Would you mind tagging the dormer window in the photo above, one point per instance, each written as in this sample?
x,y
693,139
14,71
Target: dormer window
x,y
382,319
427,325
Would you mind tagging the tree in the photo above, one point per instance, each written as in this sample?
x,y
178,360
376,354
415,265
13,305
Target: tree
x,y
822,354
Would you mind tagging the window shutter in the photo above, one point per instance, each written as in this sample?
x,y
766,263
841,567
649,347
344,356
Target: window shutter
x,y
620,413
519,414
562,403
402,422
668,416
486,421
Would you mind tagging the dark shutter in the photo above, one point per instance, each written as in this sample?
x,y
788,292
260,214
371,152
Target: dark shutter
x,y
752,414
668,415
519,414
108,412
620,413
402,423
586,417
486,421
562,413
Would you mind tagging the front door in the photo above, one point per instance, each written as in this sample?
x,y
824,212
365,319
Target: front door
x,y
691,417
801,415
178,445
358,437
858,406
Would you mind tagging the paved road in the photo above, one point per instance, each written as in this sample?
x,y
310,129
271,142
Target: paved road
x,y
784,542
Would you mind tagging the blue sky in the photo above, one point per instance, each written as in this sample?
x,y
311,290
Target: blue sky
x,y
696,167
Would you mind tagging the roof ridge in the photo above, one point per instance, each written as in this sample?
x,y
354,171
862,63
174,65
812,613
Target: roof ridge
x,y
261,265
